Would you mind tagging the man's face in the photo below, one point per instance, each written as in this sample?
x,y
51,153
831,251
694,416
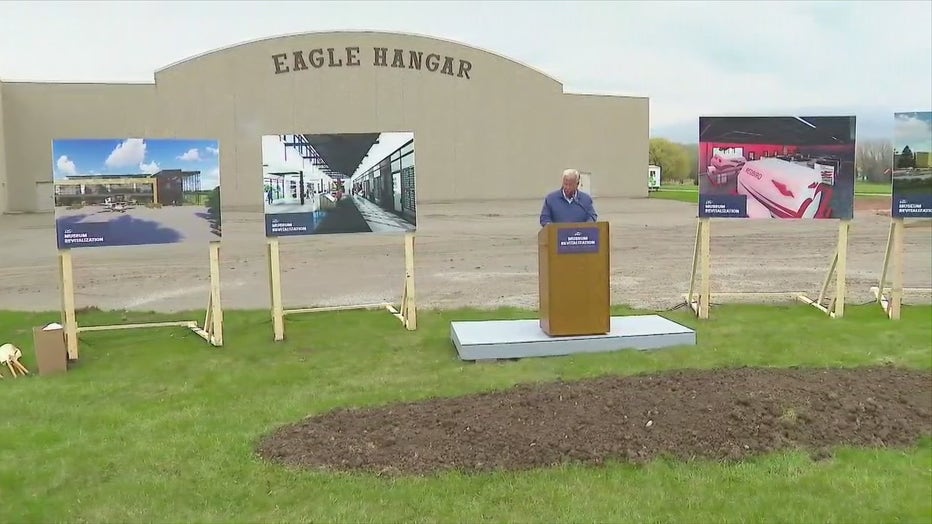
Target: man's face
x,y
569,186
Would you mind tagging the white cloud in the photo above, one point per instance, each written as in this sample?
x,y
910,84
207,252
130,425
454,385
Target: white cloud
x,y
212,150
151,168
913,132
690,58
66,166
191,155
728,58
130,152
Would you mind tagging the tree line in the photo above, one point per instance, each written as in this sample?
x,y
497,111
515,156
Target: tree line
x,y
679,162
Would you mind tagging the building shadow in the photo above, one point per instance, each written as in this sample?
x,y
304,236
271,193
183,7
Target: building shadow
x,y
212,220
343,218
124,231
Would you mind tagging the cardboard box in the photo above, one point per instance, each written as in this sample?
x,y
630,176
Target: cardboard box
x,y
51,351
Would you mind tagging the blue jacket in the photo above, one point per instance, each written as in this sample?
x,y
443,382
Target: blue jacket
x,y
557,209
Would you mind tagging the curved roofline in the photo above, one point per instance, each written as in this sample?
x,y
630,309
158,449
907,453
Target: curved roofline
x,y
79,82
355,31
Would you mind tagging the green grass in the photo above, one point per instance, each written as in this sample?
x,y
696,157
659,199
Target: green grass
x,y
155,426
684,193
872,188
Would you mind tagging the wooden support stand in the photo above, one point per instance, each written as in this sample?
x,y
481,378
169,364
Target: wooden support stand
x,y
407,313
838,269
700,301
702,259
893,262
212,331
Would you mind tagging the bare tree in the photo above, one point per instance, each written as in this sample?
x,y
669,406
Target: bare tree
x,y
874,160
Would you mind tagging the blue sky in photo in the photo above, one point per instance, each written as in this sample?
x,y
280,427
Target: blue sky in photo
x,y
132,156
913,129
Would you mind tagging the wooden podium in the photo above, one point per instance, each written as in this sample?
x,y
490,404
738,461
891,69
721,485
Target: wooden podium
x,y
573,272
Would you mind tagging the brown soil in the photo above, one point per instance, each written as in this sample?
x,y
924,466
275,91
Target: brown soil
x,y
716,414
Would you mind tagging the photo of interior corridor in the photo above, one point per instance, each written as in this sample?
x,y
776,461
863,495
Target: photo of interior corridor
x,y
339,183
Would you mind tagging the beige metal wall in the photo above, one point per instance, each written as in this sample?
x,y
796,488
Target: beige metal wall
x,y
4,191
36,114
507,132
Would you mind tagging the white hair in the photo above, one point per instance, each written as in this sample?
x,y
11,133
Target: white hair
x,y
571,173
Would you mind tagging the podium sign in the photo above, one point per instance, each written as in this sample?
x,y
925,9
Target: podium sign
x,y
573,271
578,240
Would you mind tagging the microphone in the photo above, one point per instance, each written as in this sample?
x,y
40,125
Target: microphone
x,y
589,216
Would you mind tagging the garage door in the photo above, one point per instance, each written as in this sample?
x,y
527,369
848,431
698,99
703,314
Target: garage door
x,y
45,201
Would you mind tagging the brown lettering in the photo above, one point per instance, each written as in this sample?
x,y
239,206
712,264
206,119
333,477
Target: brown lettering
x,y
399,58
447,65
381,56
465,66
279,61
317,58
299,64
416,59
302,60
433,62
334,63
352,58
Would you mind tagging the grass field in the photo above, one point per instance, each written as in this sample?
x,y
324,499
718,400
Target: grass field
x,y
155,426
871,188
690,193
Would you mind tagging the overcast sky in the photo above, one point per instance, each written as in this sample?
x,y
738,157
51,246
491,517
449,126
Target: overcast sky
x,y
696,58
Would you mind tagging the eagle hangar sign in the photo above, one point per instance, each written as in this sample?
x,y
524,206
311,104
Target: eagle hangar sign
x,y
301,60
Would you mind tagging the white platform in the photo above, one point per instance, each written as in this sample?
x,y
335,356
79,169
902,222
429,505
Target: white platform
x,y
501,339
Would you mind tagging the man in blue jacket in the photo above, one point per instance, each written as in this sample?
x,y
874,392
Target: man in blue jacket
x,y
568,204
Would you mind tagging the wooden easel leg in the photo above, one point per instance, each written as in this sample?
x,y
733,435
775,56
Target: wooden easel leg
x,y
882,286
69,320
275,289
705,262
828,279
896,293
214,304
841,270
408,307
695,266
208,319
836,307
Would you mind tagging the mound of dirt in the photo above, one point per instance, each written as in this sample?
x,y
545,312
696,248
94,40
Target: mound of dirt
x,y
725,414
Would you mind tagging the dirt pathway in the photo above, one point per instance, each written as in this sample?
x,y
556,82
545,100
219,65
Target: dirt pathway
x,y
467,254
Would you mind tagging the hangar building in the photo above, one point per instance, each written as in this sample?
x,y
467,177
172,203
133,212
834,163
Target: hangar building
x,y
486,127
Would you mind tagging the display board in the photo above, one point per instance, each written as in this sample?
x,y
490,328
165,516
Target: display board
x,y
339,183
135,191
777,167
912,165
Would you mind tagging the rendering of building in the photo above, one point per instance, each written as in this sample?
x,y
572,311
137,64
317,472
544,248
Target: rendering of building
x,y
486,127
167,187
923,159
389,183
